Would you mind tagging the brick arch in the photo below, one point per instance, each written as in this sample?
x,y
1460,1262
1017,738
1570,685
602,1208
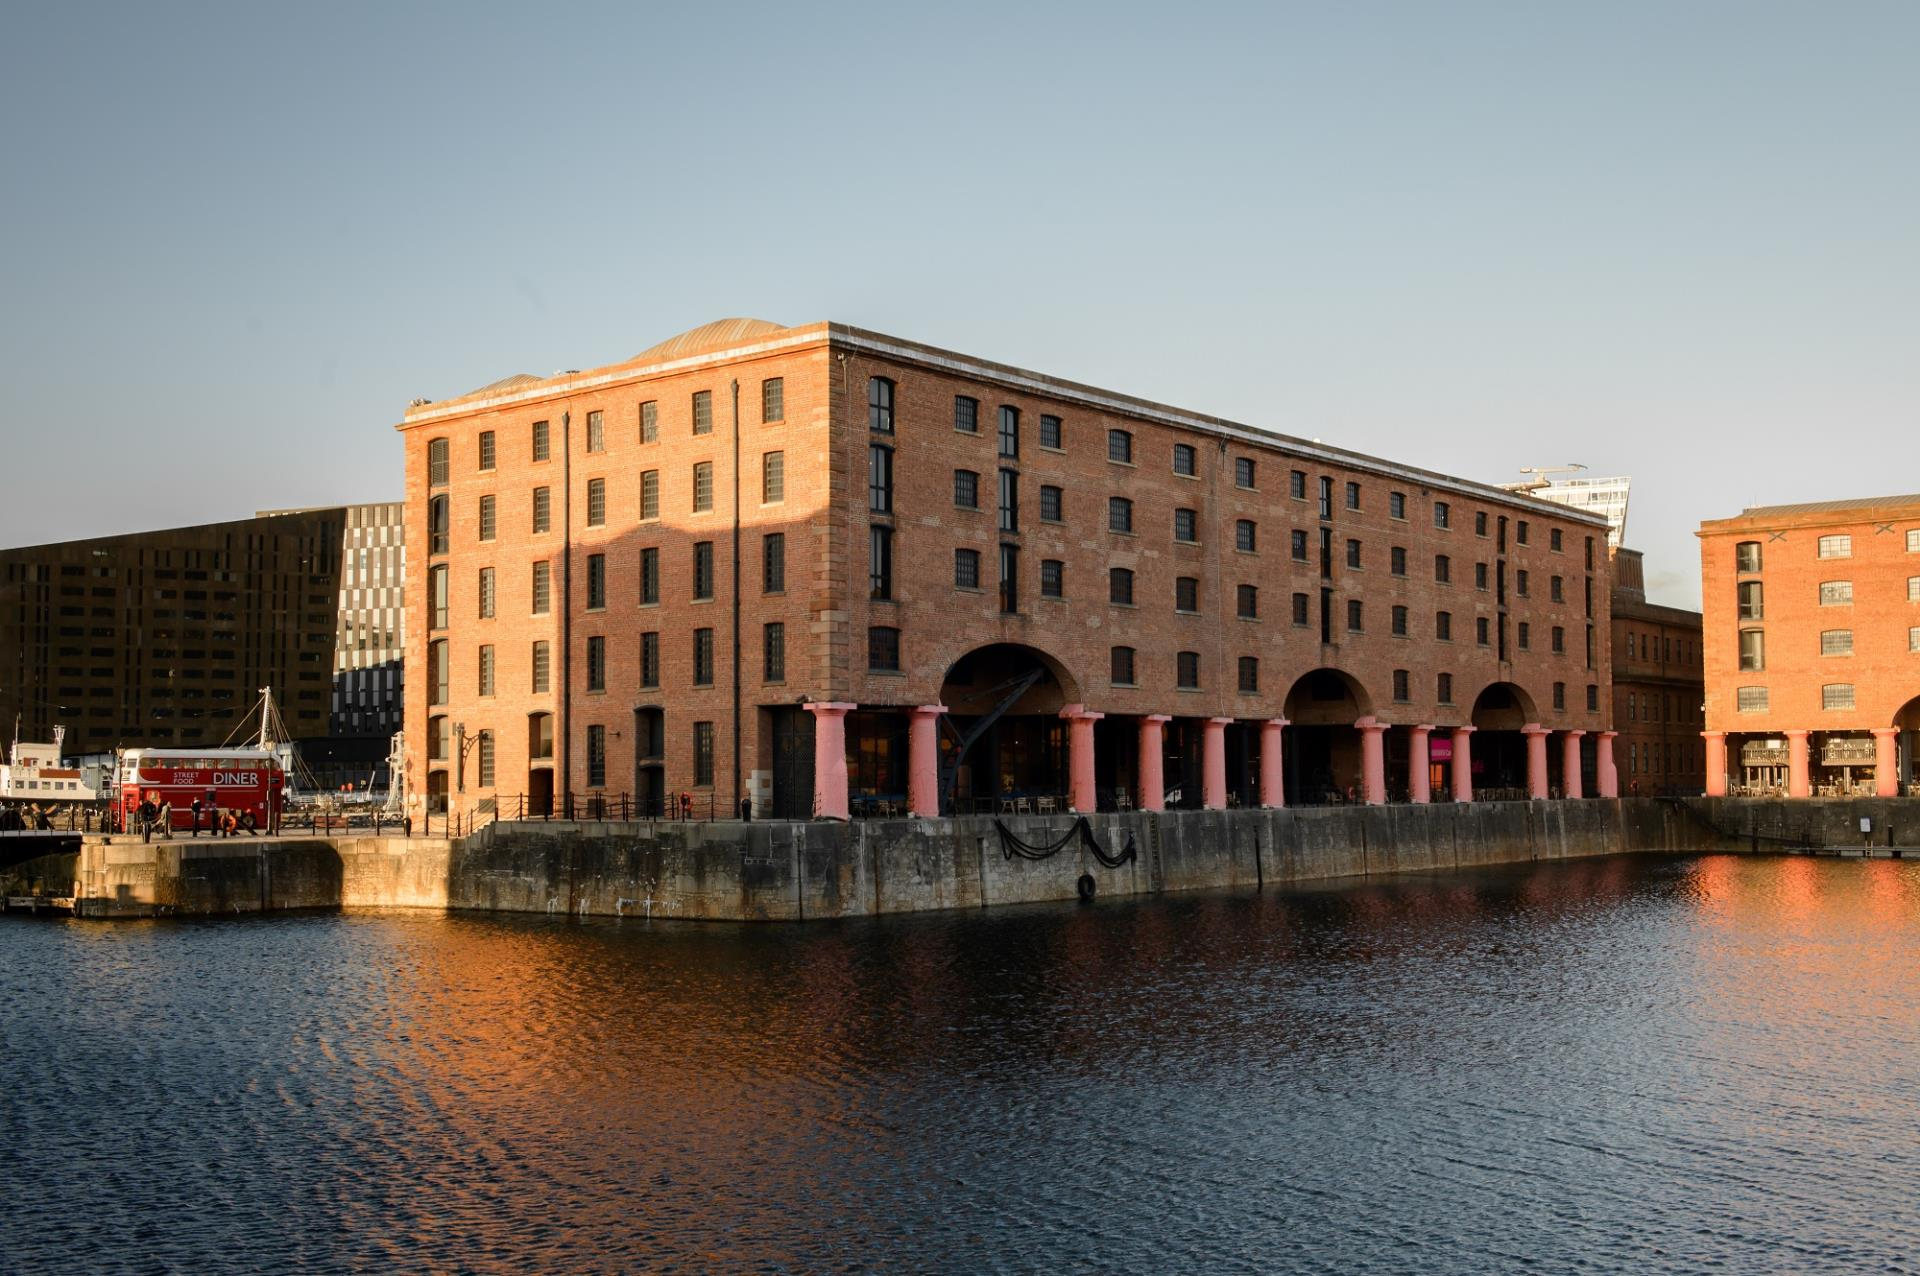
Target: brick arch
x,y
1503,706
972,674
1907,716
1309,701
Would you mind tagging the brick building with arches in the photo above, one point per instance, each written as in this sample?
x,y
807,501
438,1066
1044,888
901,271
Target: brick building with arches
x,y
834,572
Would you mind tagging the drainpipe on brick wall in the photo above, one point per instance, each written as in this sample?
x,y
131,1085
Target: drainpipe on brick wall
x,y
566,611
735,808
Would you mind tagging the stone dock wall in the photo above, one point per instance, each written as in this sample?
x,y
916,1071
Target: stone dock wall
x,y
731,871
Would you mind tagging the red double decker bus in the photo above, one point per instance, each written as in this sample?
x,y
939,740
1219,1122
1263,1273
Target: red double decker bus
x,y
248,783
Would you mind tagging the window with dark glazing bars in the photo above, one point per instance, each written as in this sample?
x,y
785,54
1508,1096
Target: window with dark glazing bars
x,y
439,677
1120,446
773,478
1186,526
1121,669
650,575
1050,502
1402,684
486,669
1120,586
486,760
1009,501
880,562
1009,432
1243,471
1249,602
596,663
542,668
883,649
773,400
439,521
966,568
773,563
438,466
596,502
1300,609
1010,579
1119,514
1052,578
966,489
880,479
702,486
486,449
966,414
703,412
1186,593
703,570
649,422
703,754
542,509
1244,535
542,588
650,659
488,518
542,441
596,432
1249,673
1185,460
1187,666
880,405
773,646
596,756
596,581
1050,432
703,657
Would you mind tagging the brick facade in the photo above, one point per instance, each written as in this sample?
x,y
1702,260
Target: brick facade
x,y
826,516
1658,687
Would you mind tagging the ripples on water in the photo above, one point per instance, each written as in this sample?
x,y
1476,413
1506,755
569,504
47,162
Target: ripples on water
x,y
1622,1064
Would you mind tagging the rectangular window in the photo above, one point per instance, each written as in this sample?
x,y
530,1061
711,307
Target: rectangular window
x,y
486,449
1353,496
1248,602
1559,695
1009,580
773,563
883,649
596,502
1402,685
649,494
879,478
596,581
880,562
1913,638
1399,621
1245,535
649,422
1480,523
1355,615
1243,472
1525,632
1483,631
1442,515
773,647
1009,432
880,405
1556,589
596,663
1121,667
542,509
596,756
1050,435
703,412
966,414
703,755
1559,639
1249,674
1397,505
1837,695
703,657
1750,700
1836,642
1442,568
1185,460
1187,666
773,478
542,588
1443,688
1120,586
1300,606
702,570
1119,514
1480,576
1520,531
650,659
1053,578
1297,485
1913,589
1750,597
1398,560
487,593
1009,501
542,441
773,400
966,489
1836,547
1913,540
650,575
1753,651
438,587
774,653
1186,593
489,527
1520,583
1050,503
1836,593
1443,626
1120,446
702,486
1554,539
596,433
1186,526
1298,540
1326,498
486,669
966,569
542,668
1353,553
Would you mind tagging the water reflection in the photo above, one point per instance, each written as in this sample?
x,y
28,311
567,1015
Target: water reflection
x,y
1609,1064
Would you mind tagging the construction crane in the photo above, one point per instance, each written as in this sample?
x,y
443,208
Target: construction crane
x,y
1540,479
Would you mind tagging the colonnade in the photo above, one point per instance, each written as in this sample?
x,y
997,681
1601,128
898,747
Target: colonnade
x,y
923,760
1886,762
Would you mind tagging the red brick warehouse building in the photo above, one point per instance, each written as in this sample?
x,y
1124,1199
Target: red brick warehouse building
x,y
1812,631
835,570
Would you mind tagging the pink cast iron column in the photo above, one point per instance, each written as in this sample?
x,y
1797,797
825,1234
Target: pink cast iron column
x,y
1886,780
1213,759
1716,763
1273,782
1373,761
1419,779
1797,783
829,759
1604,773
1080,795
1152,765
1536,759
1462,764
923,761
1570,784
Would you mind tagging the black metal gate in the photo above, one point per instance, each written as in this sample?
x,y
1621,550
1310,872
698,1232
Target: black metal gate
x,y
792,764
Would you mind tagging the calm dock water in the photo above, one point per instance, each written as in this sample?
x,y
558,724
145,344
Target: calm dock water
x,y
1623,1064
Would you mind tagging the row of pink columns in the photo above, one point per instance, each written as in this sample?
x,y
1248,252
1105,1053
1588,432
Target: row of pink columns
x,y
923,761
1886,776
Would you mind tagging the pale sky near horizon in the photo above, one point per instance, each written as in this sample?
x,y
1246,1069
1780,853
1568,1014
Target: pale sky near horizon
x,y
1679,241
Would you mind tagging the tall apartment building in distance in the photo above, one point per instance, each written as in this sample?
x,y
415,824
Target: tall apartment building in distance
x,y
1658,687
1812,617
1606,497
163,639
839,571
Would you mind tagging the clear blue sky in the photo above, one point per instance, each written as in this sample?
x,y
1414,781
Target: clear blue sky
x,y
1676,240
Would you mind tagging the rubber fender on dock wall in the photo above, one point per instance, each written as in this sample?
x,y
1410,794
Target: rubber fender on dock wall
x,y
1086,886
